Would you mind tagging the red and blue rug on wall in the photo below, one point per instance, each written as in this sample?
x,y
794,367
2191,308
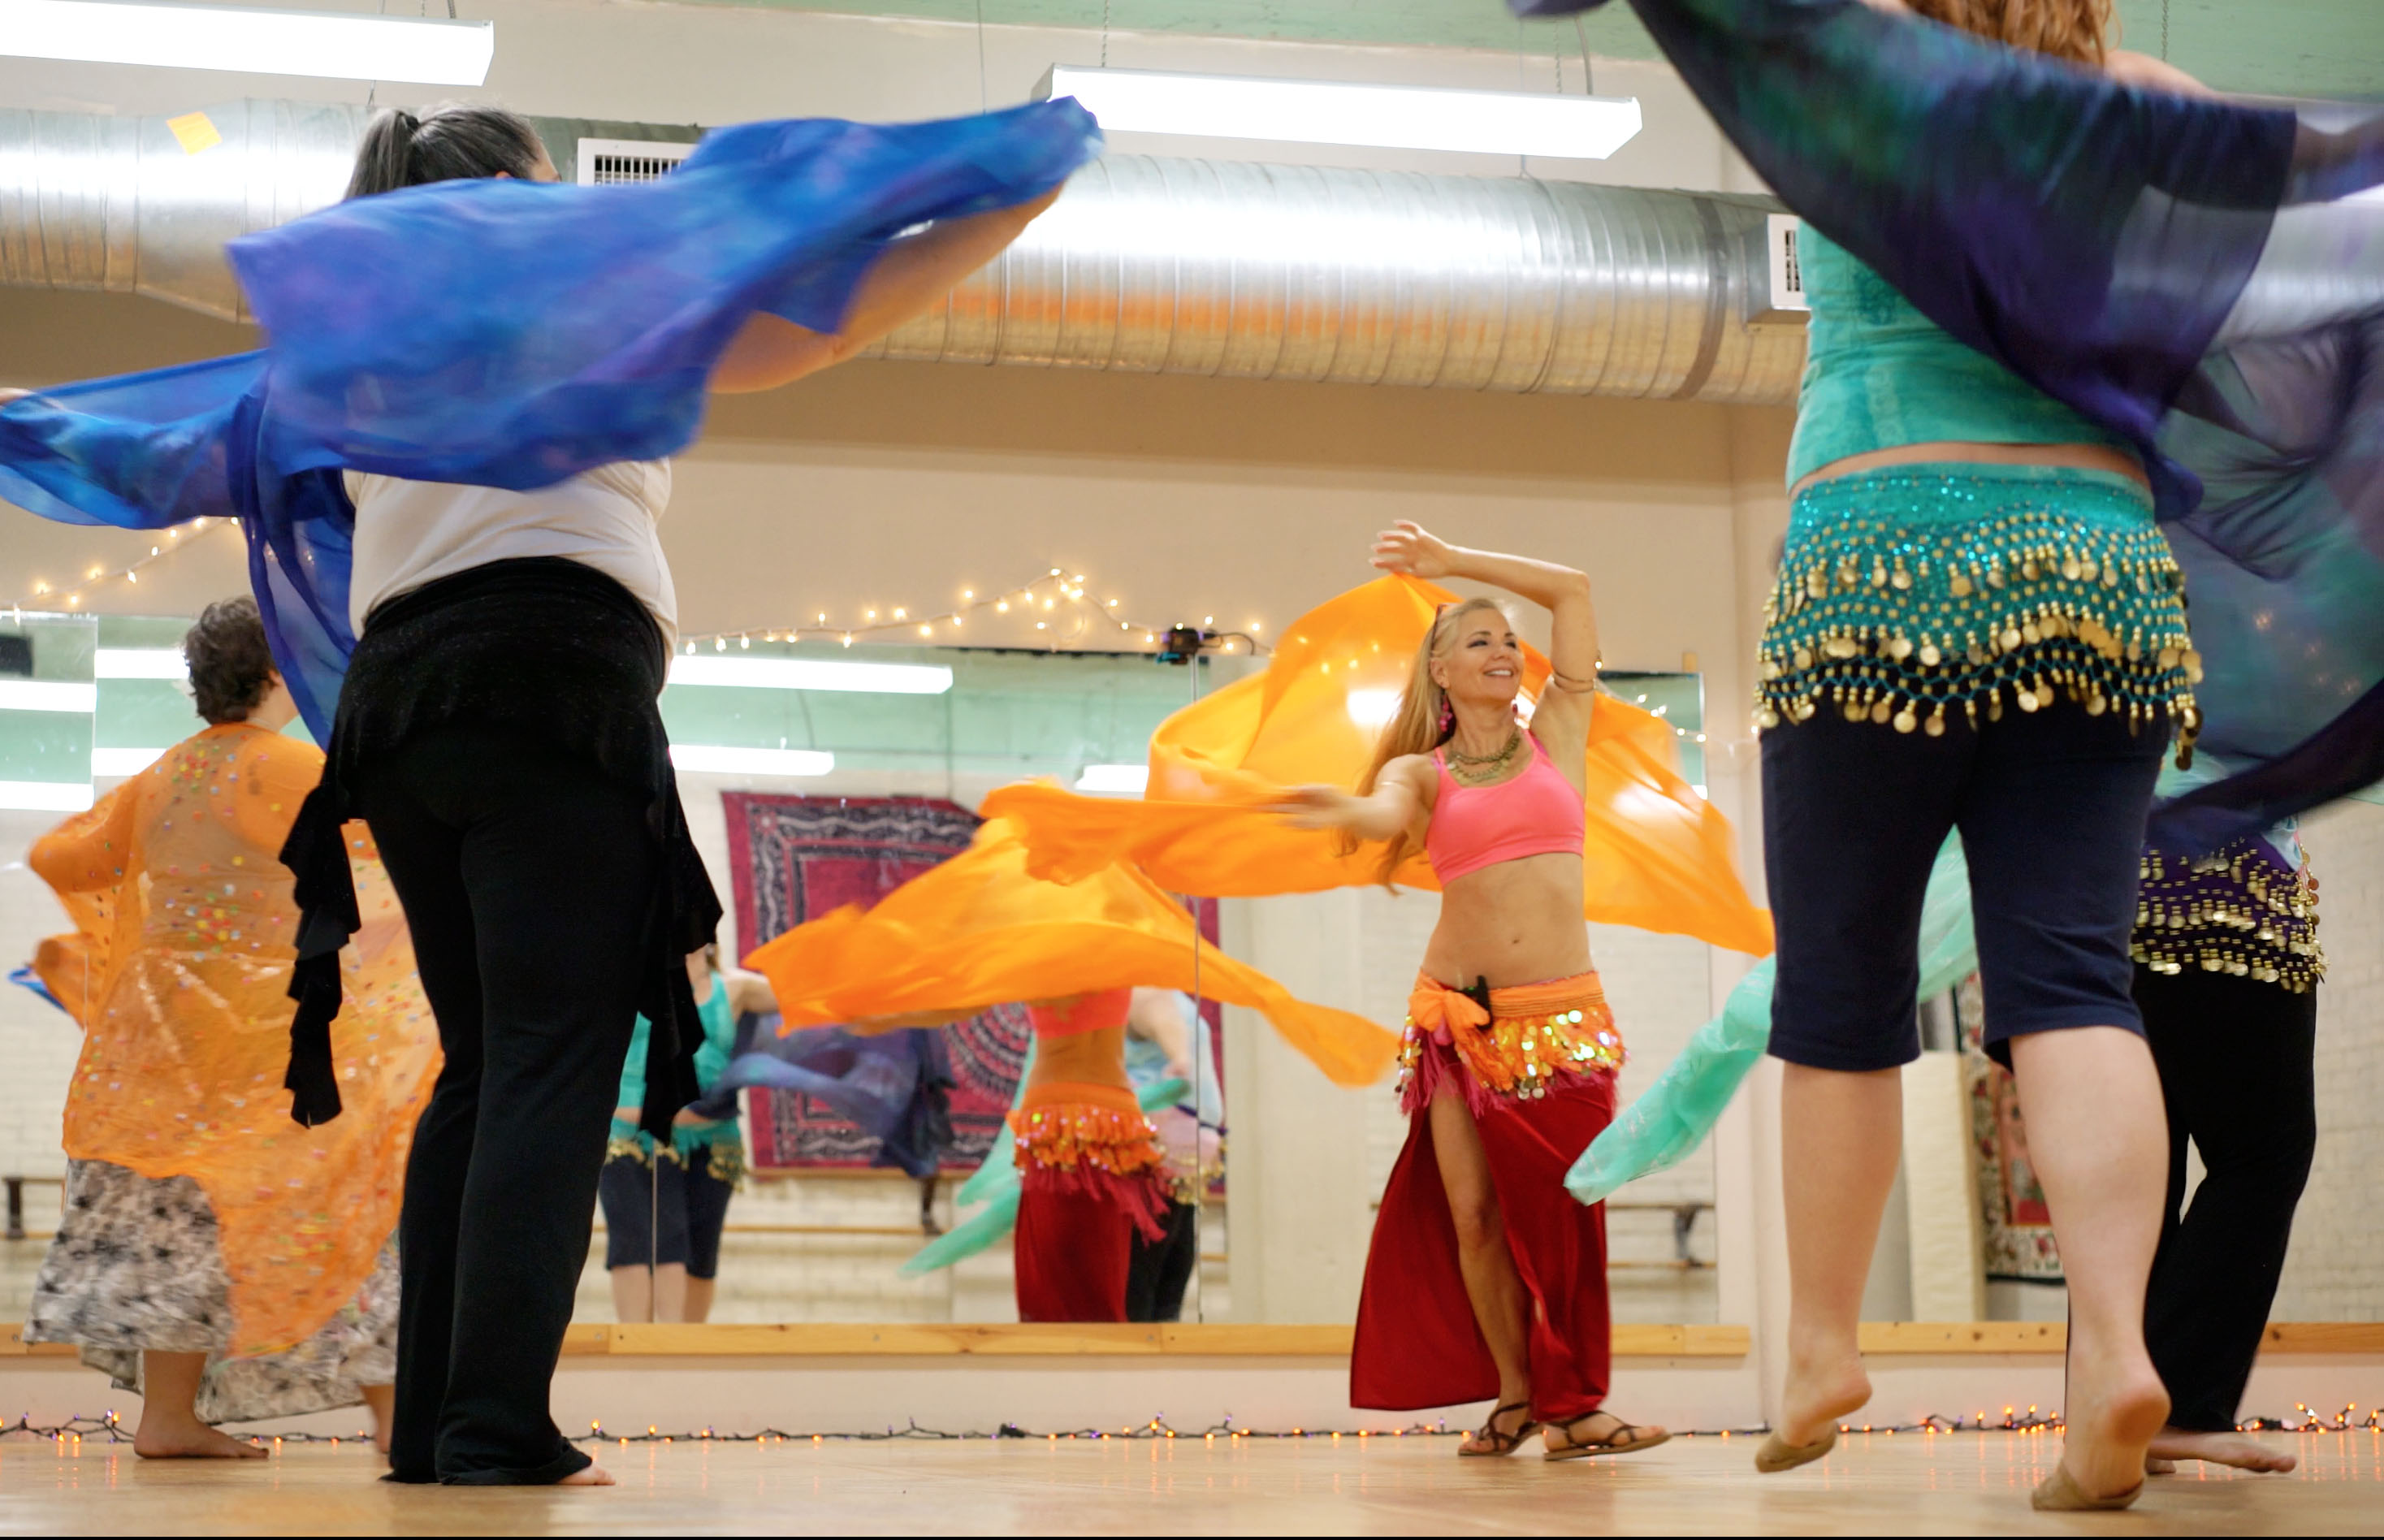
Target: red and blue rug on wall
x,y
793,859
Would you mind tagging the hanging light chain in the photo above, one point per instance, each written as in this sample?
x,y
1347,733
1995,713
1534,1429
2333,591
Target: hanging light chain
x,y
71,595
1041,596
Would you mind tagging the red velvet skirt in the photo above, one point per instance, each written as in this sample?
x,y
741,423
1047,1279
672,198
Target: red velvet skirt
x,y
1417,1344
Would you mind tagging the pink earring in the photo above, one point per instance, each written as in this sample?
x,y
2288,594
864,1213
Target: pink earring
x,y
1447,717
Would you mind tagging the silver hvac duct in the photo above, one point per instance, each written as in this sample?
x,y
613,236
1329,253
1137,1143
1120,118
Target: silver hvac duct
x,y
1147,265
143,206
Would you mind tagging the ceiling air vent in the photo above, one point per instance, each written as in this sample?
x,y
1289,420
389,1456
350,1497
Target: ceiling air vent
x,y
603,161
1785,303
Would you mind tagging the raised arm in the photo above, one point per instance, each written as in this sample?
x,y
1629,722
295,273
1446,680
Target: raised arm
x,y
914,274
749,994
2151,74
1563,592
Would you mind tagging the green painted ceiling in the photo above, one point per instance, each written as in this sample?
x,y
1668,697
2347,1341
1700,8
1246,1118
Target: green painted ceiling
x,y
2276,47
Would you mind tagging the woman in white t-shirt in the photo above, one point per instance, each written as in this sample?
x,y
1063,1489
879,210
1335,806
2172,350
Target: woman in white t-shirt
x,y
498,730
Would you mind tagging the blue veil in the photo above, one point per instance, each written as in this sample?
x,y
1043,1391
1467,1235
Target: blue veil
x,y
2176,270
501,333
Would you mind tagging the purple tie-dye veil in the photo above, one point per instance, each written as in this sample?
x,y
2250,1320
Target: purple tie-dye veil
x,y
2173,268
501,333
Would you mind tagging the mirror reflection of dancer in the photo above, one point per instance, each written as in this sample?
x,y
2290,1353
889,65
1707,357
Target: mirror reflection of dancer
x,y
1484,1274
213,1258
1094,1179
1165,1040
977,930
667,1205
498,728
2228,965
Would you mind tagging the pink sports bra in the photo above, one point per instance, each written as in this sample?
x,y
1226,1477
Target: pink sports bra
x,y
1538,813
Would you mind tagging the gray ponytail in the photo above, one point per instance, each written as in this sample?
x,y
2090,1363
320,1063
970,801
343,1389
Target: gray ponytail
x,y
447,143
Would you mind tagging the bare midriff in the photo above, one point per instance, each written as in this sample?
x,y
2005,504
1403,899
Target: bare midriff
x,y
2058,457
1095,1058
1518,921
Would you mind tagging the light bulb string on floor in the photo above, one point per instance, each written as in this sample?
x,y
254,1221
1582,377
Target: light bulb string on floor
x,y
109,1429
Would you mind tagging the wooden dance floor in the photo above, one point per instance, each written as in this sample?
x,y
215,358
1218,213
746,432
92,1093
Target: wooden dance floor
x,y
1949,1484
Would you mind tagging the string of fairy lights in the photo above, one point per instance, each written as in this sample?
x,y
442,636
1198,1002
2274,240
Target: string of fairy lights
x,y
71,596
109,1429
1060,604
1055,598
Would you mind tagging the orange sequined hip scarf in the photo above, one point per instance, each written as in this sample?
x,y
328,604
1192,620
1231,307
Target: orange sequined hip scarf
x,y
1529,1040
1076,1137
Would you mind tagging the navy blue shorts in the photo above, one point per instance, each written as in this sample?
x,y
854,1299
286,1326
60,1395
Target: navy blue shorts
x,y
693,1208
2051,805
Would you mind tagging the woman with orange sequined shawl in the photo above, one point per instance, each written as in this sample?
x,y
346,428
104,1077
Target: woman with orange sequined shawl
x,y
977,931
215,1256
1485,1276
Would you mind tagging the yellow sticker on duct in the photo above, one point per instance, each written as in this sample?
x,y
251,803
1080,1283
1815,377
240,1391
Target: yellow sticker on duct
x,y
196,131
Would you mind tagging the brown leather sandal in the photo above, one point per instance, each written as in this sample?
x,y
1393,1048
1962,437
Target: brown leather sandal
x,y
1502,1443
1618,1442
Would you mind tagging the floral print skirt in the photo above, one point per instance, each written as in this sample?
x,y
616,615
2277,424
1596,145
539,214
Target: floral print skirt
x,y
137,1267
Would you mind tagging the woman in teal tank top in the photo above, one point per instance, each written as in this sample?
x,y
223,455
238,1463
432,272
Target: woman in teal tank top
x,y
664,1207
1975,626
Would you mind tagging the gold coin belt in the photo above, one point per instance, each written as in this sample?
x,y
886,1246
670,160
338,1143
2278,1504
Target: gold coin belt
x,y
2242,910
1901,623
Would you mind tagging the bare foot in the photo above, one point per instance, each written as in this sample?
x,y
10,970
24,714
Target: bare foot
x,y
193,1440
590,1475
2114,1412
1817,1396
2239,1450
381,1399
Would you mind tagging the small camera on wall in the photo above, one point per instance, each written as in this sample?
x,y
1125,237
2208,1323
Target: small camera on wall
x,y
1181,644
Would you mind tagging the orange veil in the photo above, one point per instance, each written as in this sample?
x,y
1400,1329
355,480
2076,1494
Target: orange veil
x,y
1658,856
977,931
179,969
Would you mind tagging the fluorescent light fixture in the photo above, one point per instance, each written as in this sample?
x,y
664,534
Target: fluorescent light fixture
x,y
123,762
344,46
44,695
873,679
1114,780
719,758
1330,112
140,663
1373,708
45,796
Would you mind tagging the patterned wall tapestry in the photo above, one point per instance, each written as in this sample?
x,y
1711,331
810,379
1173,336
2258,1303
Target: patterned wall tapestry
x,y
795,859
2017,1235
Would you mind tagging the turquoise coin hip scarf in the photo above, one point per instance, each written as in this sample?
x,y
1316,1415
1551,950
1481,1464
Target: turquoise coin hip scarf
x,y
1908,593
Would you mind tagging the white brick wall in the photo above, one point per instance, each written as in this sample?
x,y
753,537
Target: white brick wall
x,y
2336,1269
